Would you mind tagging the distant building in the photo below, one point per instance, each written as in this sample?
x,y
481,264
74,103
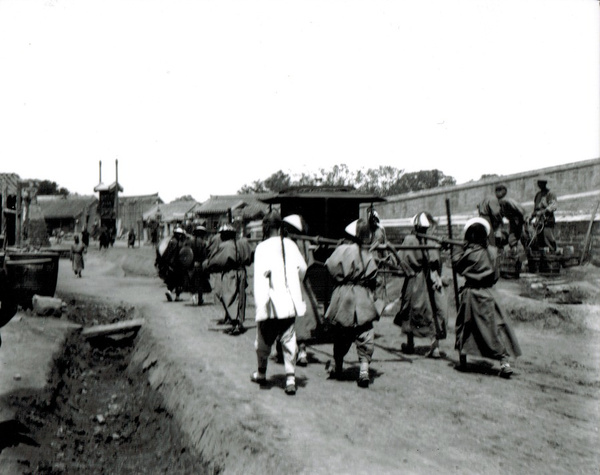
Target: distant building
x,y
71,213
163,217
239,209
132,210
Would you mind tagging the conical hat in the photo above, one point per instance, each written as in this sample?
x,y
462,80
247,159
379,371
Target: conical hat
x,y
420,220
351,228
481,221
294,220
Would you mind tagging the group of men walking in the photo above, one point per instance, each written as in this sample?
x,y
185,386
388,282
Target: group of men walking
x,y
187,263
481,329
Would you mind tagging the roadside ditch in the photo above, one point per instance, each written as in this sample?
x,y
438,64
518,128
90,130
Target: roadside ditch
x,y
98,415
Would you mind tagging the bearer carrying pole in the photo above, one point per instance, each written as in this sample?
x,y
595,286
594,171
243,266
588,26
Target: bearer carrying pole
x,y
454,279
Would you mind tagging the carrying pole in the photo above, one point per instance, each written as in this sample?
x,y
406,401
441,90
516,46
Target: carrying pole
x,y
454,276
588,236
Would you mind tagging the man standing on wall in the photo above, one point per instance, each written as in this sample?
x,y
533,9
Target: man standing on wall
x,y
544,206
489,209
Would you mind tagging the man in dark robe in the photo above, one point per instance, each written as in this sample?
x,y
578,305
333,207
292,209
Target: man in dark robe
x,y
423,304
481,328
85,237
229,256
170,266
199,278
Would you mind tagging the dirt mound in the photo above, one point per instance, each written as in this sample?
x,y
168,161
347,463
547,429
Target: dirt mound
x,y
138,264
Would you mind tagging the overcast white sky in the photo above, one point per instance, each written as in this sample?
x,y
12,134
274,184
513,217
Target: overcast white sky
x,y
201,97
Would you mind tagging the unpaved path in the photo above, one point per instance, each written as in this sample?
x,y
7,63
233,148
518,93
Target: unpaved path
x,y
418,416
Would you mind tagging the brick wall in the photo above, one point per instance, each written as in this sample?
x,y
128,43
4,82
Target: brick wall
x,y
577,186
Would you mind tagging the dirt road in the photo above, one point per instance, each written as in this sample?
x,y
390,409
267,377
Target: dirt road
x,y
418,416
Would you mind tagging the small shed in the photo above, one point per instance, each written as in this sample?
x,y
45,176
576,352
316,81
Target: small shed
x,y
327,210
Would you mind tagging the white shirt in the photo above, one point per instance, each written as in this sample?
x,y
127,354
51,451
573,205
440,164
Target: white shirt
x,y
272,297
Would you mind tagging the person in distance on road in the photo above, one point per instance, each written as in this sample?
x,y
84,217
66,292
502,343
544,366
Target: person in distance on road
x,y
199,277
170,266
77,251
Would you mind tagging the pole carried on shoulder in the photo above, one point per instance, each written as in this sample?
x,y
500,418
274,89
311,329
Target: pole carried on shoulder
x,y
454,276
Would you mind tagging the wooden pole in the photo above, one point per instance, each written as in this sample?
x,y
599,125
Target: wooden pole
x,y
19,210
454,276
588,236
116,196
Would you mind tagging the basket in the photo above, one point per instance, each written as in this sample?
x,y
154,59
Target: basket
x,y
29,275
550,264
510,266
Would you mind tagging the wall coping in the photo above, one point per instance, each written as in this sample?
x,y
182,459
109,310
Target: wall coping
x,y
492,180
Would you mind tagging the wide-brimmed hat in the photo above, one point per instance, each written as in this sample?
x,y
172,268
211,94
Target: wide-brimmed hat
x,y
178,230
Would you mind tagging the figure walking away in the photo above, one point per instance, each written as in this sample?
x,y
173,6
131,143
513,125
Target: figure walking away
x,y
352,309
481,328
77,251
131,238
279,269
85,237
423,303
229,256
199,277
170,266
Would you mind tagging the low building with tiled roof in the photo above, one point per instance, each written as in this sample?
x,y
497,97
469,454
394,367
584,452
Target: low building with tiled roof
x,y
225,208
71,213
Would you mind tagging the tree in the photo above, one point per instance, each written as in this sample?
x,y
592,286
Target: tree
x,y
383,181
278,181
423,180
184,198
47,187
339,175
